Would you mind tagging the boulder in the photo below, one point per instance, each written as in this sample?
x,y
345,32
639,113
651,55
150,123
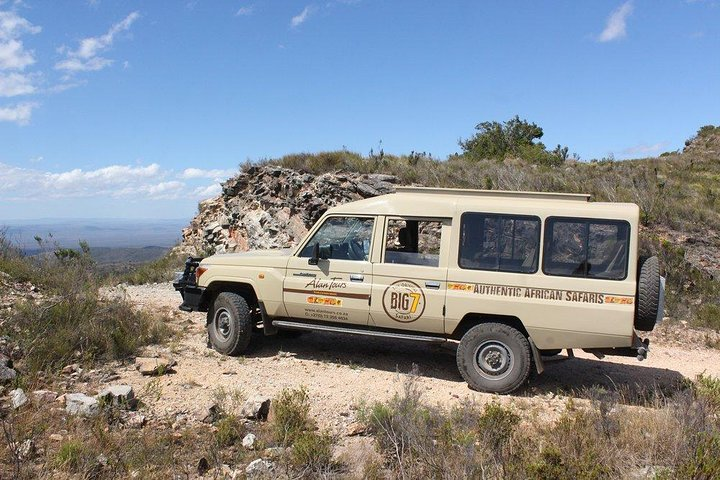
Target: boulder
x,y
5,361
81,404
154,366
259,468
7,374
118,396
135,420
18,398
249,441
256,408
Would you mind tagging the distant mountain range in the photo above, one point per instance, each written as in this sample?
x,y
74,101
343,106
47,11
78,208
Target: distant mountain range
x,y
99,233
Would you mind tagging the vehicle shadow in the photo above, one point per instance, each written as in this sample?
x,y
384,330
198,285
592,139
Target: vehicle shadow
x,y
593,379
587,378
385,354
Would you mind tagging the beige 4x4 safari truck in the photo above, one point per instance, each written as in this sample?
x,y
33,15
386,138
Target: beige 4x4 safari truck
x,y
508,276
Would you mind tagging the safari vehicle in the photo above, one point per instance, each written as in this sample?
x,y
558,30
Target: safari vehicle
x,y
509,277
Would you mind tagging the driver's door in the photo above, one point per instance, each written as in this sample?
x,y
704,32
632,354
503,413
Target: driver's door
x,y
337,289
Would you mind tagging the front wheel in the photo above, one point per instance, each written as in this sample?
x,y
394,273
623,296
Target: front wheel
x,y
230,324
494,357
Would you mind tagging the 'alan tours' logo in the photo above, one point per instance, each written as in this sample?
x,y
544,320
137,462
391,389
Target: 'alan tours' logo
x,y
404,301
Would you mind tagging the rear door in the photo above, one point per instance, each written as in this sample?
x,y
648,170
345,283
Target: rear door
x,y
410,278
337,289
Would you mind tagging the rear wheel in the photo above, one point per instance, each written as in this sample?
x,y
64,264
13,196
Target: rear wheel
x,y
230,324
494,357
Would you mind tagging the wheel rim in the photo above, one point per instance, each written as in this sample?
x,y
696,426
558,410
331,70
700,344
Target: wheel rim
x,y
222,323
493,359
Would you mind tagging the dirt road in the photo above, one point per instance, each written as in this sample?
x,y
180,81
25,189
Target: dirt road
x,y
342,371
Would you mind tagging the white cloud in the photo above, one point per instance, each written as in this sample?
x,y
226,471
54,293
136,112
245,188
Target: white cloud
x,y
12,26
87,56
14,84
13,56
301,17
615,27
215,173
19,113
117,181
644,149
245,11
209,191
149,182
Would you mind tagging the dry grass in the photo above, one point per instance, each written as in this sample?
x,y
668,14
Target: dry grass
x,y
674,437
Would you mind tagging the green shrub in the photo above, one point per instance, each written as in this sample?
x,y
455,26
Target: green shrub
x,y
73,455
229,431
291,415
708,388
313,451
497,424
52,332
704,463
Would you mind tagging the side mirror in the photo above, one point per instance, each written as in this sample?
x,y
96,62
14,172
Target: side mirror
x,y
315,257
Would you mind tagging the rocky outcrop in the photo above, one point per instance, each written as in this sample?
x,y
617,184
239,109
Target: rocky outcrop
x,y
273,207
706,144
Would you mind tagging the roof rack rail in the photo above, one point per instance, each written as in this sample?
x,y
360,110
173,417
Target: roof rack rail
x,y
578,197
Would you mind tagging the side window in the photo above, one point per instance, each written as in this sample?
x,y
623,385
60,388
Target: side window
x,y
413,242
586,248
342,238
503,243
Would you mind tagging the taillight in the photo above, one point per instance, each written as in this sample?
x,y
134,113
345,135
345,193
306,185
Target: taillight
x,y
199,271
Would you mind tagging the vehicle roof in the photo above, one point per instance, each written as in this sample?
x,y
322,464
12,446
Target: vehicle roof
x,y
445,202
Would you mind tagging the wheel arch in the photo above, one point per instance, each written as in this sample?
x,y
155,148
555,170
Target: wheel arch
x,y
244,289
472,319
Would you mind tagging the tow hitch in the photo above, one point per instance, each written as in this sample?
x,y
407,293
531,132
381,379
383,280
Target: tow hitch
x,y
639,350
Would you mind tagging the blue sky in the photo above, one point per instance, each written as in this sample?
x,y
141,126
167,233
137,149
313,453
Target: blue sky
x,y
138,109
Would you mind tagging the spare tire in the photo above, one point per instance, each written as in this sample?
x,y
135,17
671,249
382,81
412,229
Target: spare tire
x,y
648,293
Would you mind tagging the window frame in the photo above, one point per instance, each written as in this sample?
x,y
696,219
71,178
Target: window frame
x,y
406,218
514,216
319,224
587,221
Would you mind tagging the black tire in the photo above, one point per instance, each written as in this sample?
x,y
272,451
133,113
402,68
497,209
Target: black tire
x,y
648,294
494,357
230,324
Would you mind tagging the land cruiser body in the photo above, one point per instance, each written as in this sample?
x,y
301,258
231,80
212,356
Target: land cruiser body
x,y
510,277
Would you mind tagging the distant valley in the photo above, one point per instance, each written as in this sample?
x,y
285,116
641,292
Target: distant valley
x,y
112,241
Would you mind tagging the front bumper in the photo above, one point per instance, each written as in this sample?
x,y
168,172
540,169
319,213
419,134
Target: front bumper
x,y
184,283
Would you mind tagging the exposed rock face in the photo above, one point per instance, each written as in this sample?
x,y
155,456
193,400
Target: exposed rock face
x,y
273,207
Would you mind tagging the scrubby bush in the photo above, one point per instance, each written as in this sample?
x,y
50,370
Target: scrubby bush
x,y
72,319
291,415
313,451
52,333
675,436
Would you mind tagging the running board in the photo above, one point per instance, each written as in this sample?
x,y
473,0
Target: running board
x,y
355,331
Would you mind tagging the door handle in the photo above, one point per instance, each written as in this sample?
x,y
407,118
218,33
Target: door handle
x,y
433,285
356,277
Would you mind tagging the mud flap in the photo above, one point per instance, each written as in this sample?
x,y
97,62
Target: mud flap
x,y
268,328
539,365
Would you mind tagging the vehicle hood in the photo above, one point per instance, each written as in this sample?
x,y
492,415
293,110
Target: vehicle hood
x,y
269,258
